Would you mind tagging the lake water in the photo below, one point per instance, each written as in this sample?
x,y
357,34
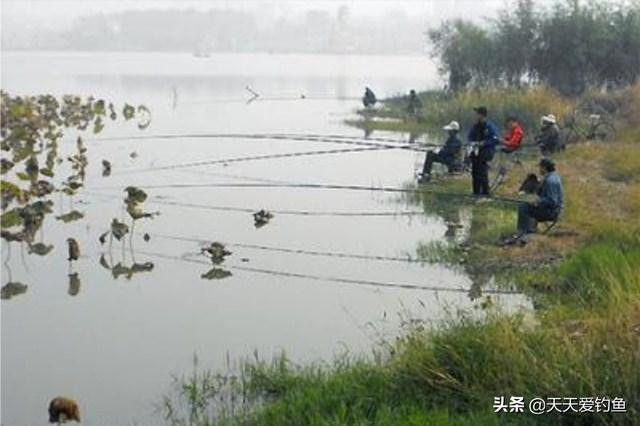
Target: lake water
x,y
115,344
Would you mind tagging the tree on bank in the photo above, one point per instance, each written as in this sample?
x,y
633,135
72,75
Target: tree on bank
x,y
571,46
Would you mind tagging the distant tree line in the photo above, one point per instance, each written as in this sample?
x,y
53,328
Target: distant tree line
x,y
570,46
228,30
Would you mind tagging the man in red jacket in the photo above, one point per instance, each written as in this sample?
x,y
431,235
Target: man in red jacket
x,y
513,138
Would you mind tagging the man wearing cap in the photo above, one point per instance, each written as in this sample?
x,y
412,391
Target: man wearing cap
x,y
448,154
550,200
483,137
549,137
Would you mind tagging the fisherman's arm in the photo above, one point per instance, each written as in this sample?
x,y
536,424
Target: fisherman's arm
x,y
491,139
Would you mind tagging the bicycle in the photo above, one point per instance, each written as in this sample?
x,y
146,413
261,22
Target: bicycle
x,y
594,127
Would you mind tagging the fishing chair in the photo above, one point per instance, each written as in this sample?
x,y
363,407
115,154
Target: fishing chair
x,y
550,224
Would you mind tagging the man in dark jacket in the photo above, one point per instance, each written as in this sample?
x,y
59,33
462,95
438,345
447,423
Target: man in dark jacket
x,y
414,105
483,138
449,154
369,99
550,200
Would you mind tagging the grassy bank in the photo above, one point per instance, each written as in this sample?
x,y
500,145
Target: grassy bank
x,y
582,339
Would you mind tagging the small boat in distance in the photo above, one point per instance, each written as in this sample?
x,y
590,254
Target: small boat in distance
x,y
201,54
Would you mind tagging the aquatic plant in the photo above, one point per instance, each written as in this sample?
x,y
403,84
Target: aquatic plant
x,y
261,218
216,251
12,289
32,128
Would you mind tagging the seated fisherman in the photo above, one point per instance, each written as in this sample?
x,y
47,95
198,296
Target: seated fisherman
x,y
513,138
549,137
550,200
449,154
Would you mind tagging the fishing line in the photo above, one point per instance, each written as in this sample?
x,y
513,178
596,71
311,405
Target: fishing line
x,y
290,212
328,278
230,176
327,187
406,259
275,211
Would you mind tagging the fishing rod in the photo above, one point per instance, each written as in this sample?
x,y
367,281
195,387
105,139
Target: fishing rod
x,y
406,259
226,161
329,278
331,138
327,187
256,97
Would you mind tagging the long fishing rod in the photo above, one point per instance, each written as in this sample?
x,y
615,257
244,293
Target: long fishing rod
x,y
250,158
274,211
318,253
327,187
328,278
260,98
332,138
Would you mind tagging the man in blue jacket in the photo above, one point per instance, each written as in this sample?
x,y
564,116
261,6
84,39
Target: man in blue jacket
x,y
448,155
550,200
483,138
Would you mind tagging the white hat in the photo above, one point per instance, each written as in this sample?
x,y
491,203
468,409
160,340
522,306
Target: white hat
x,y
452,126
549,118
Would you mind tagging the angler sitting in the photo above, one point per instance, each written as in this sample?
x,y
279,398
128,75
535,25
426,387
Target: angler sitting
x,y
448,155
549,137
513,138
549,204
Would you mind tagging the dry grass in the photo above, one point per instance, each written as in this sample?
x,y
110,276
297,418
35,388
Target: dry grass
x,y
439,108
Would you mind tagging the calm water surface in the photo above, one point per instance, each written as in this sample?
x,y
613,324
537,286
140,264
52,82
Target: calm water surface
x,y
114,345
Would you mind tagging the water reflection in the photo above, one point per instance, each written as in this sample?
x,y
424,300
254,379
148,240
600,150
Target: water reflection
x,y
74,284
13,288
463,221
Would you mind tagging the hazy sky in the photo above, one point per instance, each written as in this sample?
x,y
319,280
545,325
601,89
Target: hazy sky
x,y
56,13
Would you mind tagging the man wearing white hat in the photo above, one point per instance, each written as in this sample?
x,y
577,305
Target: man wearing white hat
x,y
549,137
448,154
